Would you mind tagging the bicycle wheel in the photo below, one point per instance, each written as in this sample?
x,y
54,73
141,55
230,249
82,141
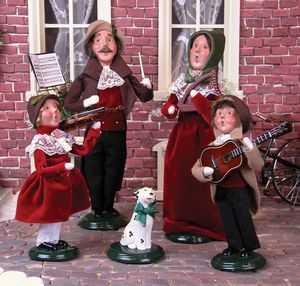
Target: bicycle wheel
x,y
285,171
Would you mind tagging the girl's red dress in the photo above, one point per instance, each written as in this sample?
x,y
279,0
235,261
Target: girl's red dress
x,y
51,193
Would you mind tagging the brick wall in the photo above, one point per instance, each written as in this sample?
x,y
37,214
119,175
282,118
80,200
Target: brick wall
x,y
269,77
270,56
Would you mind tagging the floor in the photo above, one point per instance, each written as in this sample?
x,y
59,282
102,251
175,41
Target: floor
x,y
277,224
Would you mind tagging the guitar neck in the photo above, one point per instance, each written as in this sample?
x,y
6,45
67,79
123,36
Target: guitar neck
x,y
279,130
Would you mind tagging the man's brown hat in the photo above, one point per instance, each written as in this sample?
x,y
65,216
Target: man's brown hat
x,y
100,25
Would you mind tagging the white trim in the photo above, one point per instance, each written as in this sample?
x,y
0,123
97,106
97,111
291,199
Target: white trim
x,y
164,37
232,47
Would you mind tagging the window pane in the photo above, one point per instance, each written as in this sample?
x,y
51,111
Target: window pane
x,y
57,40
56,12
211,12
180,39
80,57
183,12
85,11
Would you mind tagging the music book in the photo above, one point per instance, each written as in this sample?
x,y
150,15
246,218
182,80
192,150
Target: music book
x,y
46,69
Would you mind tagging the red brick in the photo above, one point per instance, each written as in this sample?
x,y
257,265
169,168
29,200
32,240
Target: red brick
x,y
279,50
270,4
289,60
295,12
288,3
5,87
294,31
136,13
291,99
135,125
290,80
118,12
254,60
262,33
270,23
9,162
255,79
5,10
274,60
18,39
254,23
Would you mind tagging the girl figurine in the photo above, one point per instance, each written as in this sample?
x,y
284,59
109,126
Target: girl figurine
x,y
189,215
236,193
56,189
108,82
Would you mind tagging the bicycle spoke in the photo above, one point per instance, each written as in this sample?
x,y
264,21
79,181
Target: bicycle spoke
x,y
286,172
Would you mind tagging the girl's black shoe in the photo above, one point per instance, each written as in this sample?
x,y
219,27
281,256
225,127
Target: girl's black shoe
x,y
48,246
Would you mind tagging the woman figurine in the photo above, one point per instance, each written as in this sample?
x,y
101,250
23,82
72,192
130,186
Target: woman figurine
x,y
189,215
106,81
236,191
56,189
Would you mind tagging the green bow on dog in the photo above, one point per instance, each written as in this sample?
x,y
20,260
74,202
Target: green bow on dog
x,y
142,212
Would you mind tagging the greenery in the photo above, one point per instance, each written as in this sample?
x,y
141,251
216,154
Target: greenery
x,y
60,91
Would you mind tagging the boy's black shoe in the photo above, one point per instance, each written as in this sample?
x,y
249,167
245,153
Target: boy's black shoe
x,y
229,251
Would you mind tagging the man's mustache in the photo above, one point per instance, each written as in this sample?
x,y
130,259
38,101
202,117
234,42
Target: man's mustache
x,y
105,49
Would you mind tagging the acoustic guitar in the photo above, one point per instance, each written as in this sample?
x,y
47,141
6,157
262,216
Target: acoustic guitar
x,y
227,157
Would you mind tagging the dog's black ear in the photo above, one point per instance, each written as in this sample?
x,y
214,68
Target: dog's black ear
x,y
136,194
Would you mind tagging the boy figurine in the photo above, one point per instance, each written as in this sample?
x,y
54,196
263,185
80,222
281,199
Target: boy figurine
x,y
56,189
106,81
237,193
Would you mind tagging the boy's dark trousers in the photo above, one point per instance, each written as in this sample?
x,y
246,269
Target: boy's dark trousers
x,y
234,206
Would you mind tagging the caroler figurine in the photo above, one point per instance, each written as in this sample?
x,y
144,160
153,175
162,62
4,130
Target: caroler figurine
x,y
56,189
107,82
189,215
233,183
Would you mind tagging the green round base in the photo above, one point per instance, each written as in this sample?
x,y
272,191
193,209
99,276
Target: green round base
x,y
123,254
236,263
66,254
188,238
107,222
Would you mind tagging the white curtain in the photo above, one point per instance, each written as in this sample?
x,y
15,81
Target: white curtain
x,y
185,12
82,11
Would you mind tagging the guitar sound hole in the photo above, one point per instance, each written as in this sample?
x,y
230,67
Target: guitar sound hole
x,y
227,158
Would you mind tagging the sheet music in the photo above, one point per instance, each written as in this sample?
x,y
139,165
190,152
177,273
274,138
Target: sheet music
x,y
46,69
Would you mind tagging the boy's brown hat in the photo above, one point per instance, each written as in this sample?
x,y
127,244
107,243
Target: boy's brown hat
x,y
240,107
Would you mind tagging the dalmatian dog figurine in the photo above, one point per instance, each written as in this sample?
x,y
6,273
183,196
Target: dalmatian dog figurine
x,y
137,233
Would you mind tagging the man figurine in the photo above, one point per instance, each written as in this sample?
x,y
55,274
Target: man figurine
x,y
106,81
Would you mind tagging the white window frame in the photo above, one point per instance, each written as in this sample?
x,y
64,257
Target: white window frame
x,y
37,31
231,53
